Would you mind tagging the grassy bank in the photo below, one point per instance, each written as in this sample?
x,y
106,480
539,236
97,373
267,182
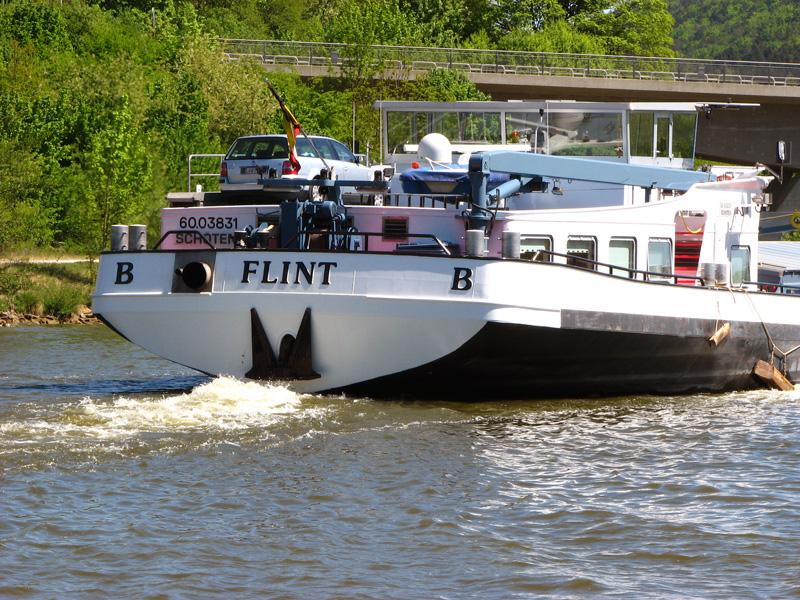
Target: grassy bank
x,y
45,290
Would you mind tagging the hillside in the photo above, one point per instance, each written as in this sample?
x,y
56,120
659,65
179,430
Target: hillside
x,y
758,30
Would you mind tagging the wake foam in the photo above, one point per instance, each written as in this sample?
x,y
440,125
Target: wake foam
x,y
222,404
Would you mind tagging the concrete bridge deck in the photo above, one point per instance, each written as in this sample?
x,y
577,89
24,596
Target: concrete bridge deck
x,y
646,88
510,75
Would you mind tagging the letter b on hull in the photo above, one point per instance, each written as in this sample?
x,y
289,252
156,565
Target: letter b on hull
x,y
462,279
124,273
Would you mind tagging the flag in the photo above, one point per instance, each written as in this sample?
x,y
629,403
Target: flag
x,y
290,125
292,128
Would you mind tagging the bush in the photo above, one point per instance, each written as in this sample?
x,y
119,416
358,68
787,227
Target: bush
x,y
27,302
45,289
62,300
11,281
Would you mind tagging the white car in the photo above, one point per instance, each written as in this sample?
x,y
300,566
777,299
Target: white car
x,y
256,157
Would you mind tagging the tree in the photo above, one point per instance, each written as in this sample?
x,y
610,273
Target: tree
x,y
25,222
443,85
529,15
555,37
116,176
449,23
639,27
631,27
38,23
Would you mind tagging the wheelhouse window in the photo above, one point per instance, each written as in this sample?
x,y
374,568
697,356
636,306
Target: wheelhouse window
x,y
568,133
641,134
588,134
659,256
536,248
740,264
622,253
407,128
683,134
581,250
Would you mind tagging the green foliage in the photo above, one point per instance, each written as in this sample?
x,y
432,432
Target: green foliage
x,y
291,19
555,37
28,302
767,30
116,169
25,222
92,32
39,23
631,27
368,22
62,300
530,15
217,101
12,280
102,101
442,85
45,288
447,23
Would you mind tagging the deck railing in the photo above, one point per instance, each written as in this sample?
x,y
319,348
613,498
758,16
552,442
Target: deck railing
x,y
413,58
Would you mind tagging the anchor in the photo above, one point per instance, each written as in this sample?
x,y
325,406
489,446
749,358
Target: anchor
x,y
294,355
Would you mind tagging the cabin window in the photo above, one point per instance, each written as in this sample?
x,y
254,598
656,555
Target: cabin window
x,y
641,132
401,130
585,134
536,248
622,253
581,250
683,127
659,256
567,133
467,128
407,128
740,264
662,137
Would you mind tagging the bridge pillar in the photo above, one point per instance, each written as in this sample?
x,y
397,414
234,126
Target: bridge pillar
x,y
746,135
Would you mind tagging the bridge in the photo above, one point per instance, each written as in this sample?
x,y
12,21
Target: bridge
x,y
507,75
730,131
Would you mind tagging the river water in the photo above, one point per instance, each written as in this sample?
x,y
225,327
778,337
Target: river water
x,y
124,476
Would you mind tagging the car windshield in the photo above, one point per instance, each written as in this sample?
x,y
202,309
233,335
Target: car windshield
x,y
259,148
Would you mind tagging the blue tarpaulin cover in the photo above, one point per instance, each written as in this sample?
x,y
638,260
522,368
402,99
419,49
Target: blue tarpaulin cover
x,y
443,180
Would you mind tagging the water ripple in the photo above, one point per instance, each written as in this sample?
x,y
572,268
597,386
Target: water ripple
x,y
250,491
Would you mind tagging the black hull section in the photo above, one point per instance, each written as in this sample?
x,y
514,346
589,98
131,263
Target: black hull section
x,y
519,361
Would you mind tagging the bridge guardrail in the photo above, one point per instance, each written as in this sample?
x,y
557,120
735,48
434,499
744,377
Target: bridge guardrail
x,y
510,62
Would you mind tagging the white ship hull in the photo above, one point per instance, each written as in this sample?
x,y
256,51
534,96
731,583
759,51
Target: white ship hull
x,y
388,324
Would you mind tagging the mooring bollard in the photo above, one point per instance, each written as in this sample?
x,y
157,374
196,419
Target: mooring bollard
x,y
119,238
511,248
476,244
137,235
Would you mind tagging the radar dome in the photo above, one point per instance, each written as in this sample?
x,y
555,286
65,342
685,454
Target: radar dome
x,y
435,147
